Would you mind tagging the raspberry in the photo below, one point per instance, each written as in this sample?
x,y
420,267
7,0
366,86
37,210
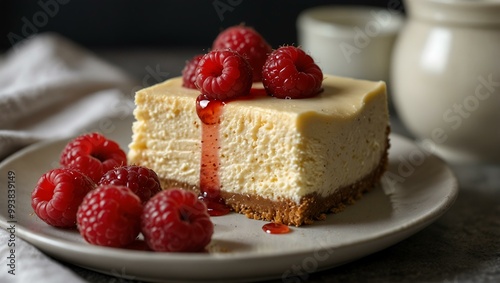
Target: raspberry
x,y
223,74
110,216
93,154
58,194
141,180
176,221
290,73
249,43
189,72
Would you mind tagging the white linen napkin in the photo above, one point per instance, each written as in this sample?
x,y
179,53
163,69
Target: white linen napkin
x,y
32,265
50,87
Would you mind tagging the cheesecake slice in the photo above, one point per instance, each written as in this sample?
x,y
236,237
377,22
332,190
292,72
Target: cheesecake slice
x,y
284,160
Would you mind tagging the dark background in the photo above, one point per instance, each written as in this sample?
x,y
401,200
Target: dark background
x,y
153,23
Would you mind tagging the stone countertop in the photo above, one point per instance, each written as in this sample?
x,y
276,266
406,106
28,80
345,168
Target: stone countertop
x,y
461,246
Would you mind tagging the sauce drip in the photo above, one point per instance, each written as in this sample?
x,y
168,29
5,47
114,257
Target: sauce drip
x,y
209,112
275,228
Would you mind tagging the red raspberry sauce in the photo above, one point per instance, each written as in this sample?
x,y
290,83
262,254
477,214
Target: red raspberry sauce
x,y
275,228
209,111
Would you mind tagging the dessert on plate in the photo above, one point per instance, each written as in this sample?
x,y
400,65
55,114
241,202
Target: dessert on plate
x,y
283,158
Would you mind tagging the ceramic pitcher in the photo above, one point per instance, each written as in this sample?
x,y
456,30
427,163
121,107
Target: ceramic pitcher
x,y
445,77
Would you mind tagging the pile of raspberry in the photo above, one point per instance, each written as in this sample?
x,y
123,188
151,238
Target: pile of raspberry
x,y
240,56
112,203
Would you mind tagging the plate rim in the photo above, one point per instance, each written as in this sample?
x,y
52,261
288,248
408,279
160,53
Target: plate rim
x,y
68,246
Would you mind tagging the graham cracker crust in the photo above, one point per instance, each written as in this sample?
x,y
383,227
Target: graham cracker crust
x,y
311,207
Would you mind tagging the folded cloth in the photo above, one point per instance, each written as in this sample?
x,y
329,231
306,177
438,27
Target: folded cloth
x,y
32,265
50,87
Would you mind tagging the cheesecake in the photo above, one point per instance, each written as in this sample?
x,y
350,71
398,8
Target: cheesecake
x,y
289,161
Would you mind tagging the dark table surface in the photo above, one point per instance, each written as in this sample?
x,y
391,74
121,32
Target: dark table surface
x,y
462,246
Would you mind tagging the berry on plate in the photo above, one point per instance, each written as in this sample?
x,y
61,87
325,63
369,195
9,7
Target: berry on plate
x,y
176,221
249,43
58,194
93,154
110,216
223,74
189,72
291,73
142,181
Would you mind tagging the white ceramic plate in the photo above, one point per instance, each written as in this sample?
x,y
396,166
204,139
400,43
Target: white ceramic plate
x,y
418,189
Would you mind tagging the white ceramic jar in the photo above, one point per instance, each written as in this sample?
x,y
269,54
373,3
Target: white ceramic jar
x,y
445,77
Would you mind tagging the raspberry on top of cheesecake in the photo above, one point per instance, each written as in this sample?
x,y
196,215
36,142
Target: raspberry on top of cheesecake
x,y
288,150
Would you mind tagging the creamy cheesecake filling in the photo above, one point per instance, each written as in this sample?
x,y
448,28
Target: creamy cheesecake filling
x,y
310,208
315,151
274,149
